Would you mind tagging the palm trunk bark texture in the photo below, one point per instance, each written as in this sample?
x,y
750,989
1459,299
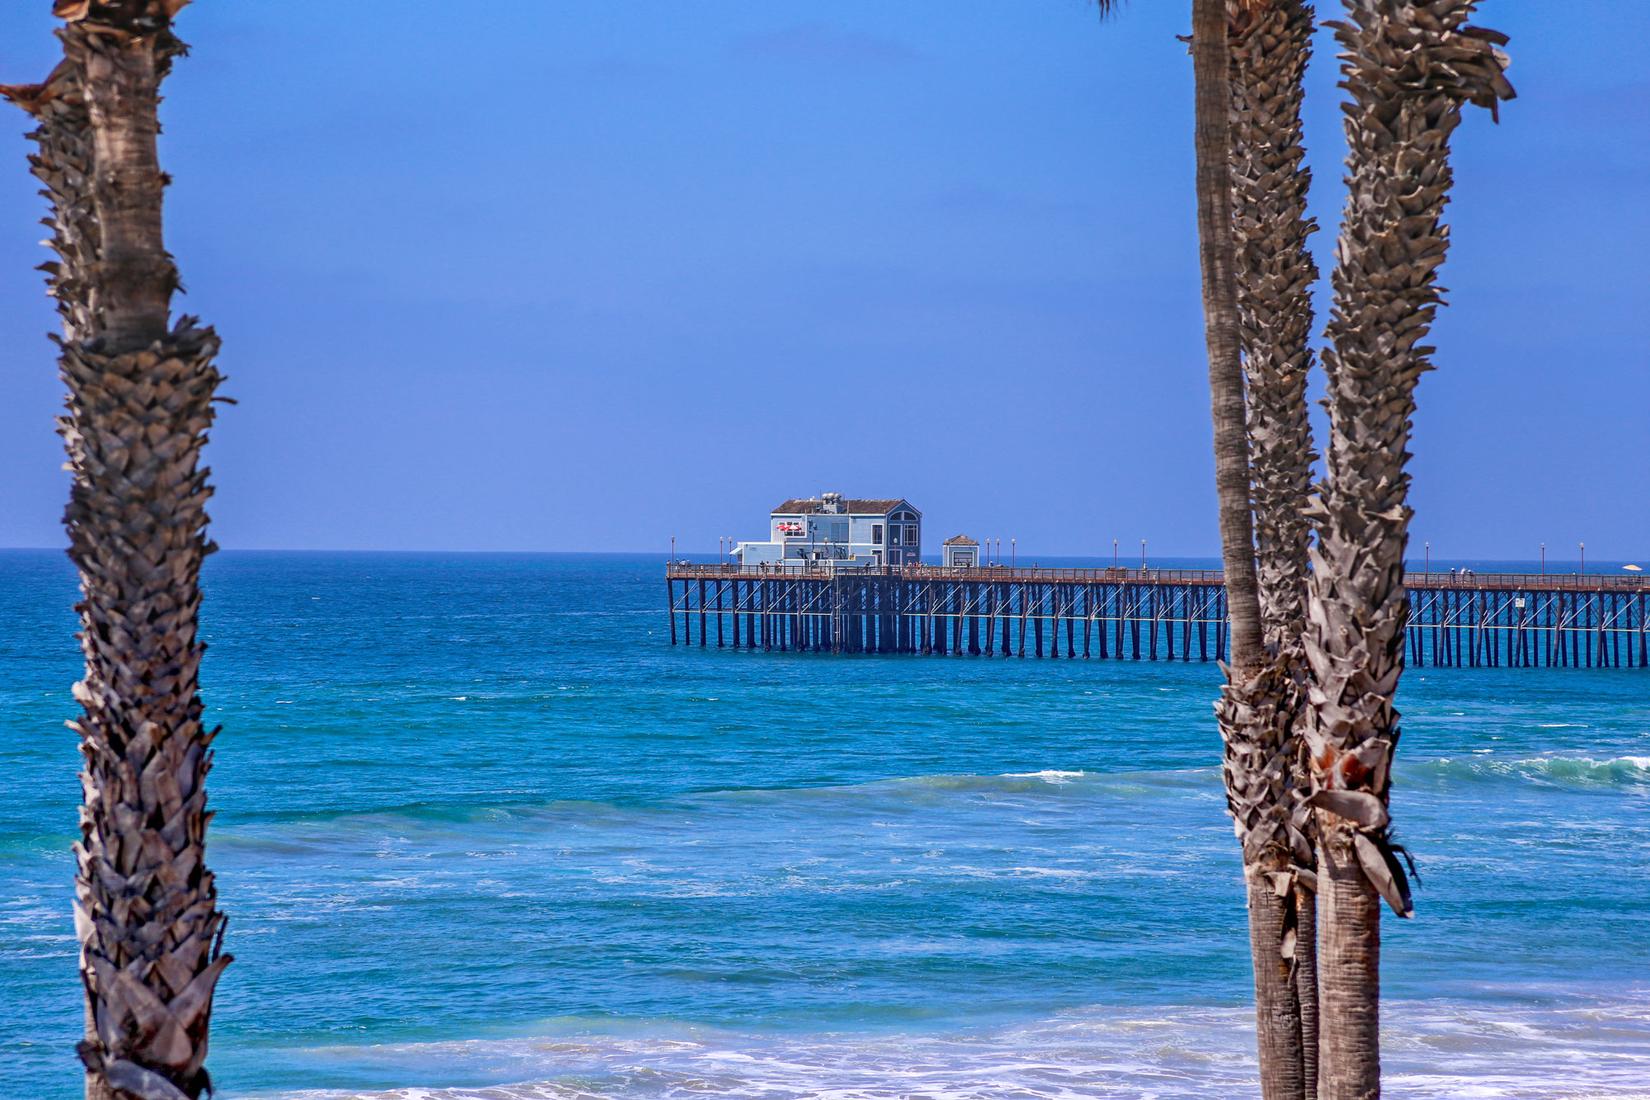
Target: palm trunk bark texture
x,y
1408,66
1246,712
1270,47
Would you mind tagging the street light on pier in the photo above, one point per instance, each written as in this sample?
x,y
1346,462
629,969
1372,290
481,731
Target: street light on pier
x,y
1543,559
1583,546
673,549
1114,553
1013,552
1142,555
1428,568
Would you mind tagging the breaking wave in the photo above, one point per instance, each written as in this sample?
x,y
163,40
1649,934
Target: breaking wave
x,y
1049,783
283,832
1551,770
1441,1051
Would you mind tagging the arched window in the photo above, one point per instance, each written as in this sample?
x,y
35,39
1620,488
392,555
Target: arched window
x,y
904,529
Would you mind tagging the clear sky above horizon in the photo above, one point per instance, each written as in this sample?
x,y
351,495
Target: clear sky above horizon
x,y
584,275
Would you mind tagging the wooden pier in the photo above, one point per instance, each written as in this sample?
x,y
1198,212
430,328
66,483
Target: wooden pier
x,y
1516,620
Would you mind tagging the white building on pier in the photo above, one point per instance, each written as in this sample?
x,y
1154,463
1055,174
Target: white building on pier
x,y
847,532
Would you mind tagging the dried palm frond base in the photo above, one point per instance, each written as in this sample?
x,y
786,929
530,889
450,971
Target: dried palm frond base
x,y
63,164
1257,714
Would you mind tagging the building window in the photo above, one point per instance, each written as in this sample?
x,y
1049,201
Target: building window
x,y
876,534
839,530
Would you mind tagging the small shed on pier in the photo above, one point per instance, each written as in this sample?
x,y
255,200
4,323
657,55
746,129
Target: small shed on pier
x,y
960,552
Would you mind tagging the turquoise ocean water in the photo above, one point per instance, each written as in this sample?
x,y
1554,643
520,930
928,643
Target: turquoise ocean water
x,y
483,834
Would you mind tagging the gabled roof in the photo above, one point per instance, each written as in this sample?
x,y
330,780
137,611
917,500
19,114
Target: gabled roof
x,y
960,540
850,507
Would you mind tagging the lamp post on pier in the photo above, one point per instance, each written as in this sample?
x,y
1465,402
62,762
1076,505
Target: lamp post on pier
x,y
1142,555
1013,552
1583,546
1543,559
1114,553
673,549
1428,568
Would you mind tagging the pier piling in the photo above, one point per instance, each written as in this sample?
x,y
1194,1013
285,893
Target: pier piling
x,y
1455,620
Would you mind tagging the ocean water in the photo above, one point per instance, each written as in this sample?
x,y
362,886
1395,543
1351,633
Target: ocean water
x,y
482,833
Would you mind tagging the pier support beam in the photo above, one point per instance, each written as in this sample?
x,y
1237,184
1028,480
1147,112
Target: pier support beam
x,y
1468,622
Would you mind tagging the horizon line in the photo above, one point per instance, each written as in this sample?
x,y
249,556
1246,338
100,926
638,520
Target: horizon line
x,y
665,555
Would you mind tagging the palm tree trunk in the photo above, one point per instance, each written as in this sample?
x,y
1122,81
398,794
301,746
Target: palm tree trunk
x,y
1217,256
1270,45
1275,273
140,403
1256,771
1306,979
1409,67
1256,722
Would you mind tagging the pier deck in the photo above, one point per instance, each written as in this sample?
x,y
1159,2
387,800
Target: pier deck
x,y
1520,620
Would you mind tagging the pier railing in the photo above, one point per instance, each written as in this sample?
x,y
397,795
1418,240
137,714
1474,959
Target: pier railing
x,y
1543,582
827,570
1214,578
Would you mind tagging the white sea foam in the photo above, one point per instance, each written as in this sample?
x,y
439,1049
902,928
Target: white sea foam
x,y
1456,1051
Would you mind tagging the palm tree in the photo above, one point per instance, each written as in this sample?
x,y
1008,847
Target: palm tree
x,y
1259,703
140,403
1256,710
1409,68
1271,44
1253,711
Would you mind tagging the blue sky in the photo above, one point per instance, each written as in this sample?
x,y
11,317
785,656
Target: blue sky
x,y
582,275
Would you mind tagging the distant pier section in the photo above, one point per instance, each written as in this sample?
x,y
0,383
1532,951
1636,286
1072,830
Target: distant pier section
x,y
1460,620
841,574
